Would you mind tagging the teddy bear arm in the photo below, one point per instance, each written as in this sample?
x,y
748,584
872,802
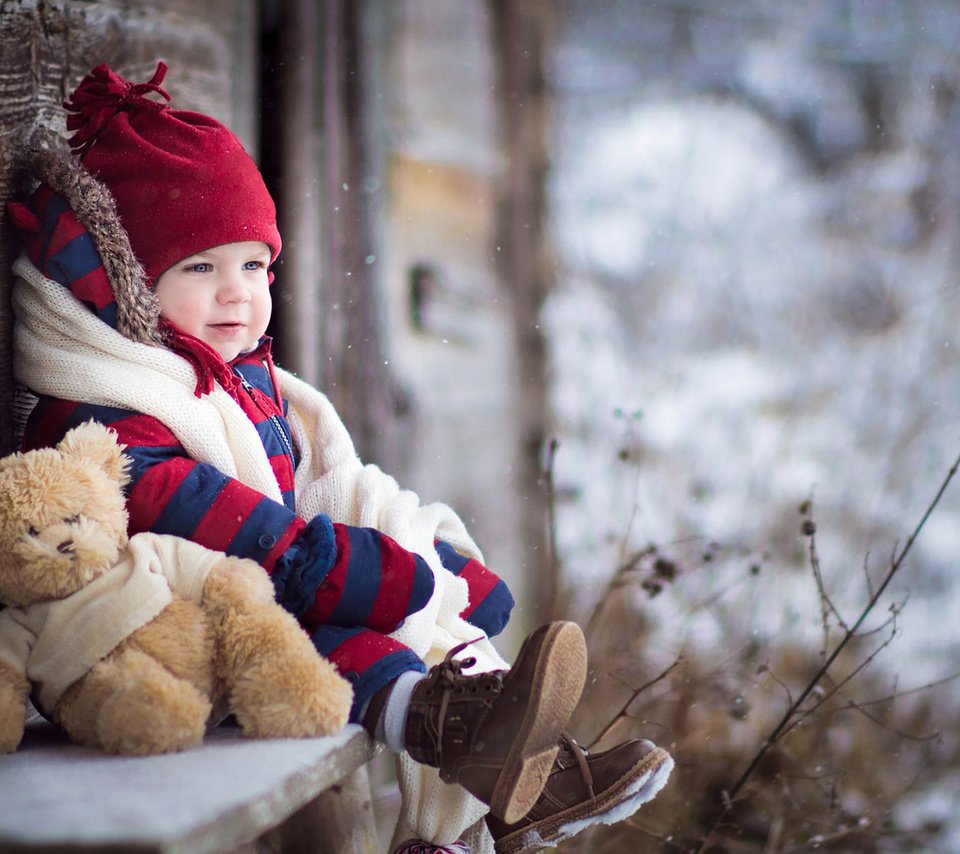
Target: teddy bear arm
x,y
14,689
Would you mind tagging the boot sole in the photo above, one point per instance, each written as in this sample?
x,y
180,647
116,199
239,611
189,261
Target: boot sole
x,y
620,801
558,678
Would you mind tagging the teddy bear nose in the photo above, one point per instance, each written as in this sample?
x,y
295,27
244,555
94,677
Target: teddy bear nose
x,y
65,546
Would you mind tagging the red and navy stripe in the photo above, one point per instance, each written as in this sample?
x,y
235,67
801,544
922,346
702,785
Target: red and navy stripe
x,y
63,250
169,492
490,601
374,583
368,659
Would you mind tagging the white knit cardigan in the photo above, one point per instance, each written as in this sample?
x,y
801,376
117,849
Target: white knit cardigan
x,y
62,349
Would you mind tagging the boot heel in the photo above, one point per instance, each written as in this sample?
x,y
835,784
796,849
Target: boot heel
x,y
515,802
556,683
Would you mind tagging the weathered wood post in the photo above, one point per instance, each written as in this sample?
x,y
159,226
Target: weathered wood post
x,y
522,33
323,150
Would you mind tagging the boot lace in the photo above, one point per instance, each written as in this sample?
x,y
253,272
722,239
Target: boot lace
x,y
449,678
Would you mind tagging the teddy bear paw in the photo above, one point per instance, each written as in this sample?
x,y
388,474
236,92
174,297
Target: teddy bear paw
x,y
301,698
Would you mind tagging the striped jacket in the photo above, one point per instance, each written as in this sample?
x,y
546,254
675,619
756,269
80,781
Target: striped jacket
x,y
348,586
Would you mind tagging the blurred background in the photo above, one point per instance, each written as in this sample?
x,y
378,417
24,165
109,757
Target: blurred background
x,y
661,297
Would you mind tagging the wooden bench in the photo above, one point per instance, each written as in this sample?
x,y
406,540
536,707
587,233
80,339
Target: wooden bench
x,y
230,794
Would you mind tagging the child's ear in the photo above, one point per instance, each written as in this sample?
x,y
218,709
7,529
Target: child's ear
x,y
94,443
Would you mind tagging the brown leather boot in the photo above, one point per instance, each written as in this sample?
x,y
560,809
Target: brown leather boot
x,y
585,789
496,734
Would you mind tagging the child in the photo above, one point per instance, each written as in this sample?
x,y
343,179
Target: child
x,y
142,302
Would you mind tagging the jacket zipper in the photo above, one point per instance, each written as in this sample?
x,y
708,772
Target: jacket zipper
x,y
273,419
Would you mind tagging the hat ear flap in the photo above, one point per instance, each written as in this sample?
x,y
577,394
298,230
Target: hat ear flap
x,y
92,442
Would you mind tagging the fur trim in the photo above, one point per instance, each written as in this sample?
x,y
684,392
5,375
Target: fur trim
x,y
48,159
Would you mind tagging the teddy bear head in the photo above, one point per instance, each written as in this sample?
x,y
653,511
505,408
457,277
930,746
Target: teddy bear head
x,y
63,517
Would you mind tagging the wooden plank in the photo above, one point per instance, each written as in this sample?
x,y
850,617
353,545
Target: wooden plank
x,y
215,798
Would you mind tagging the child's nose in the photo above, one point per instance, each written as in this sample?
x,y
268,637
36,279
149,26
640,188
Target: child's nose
x,y
233,289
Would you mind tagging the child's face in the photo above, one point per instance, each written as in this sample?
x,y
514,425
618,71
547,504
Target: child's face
x,y
220,295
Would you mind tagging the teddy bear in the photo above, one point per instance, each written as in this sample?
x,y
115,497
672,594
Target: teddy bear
x,y
134,644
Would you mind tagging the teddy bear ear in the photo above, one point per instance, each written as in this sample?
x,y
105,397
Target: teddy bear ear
x,y
97,444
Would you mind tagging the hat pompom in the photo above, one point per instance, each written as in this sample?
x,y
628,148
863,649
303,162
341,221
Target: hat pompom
x,y
182,181
101,95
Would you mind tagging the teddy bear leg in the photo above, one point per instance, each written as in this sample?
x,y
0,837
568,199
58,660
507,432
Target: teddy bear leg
x,y
13,707
131,704
181,636
278,684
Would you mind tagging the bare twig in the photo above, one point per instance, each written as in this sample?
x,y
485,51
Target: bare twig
x,y
866,574
659,835
800,715
713,598
920,688
766,668
619,579
633,696
826,604
853,705
553,558
898,560
635,502
895,610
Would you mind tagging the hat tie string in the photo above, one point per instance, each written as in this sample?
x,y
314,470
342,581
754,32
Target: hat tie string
x,y
101,95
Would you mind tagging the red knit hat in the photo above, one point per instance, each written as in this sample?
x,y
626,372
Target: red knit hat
x,y
181,180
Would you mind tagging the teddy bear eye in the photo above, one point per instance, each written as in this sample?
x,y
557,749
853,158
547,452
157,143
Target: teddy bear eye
x,y
32,531
70,520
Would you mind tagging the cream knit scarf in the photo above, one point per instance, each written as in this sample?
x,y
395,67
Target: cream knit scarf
x,y
63,350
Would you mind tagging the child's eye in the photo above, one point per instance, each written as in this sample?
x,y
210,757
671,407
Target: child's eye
x,y
199,268
254,265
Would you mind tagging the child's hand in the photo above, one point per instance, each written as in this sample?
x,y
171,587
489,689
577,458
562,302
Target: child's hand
x,y
347,576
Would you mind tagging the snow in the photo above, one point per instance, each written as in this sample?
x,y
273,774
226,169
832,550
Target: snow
x,y
635,184
756,389
730,432
737,329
